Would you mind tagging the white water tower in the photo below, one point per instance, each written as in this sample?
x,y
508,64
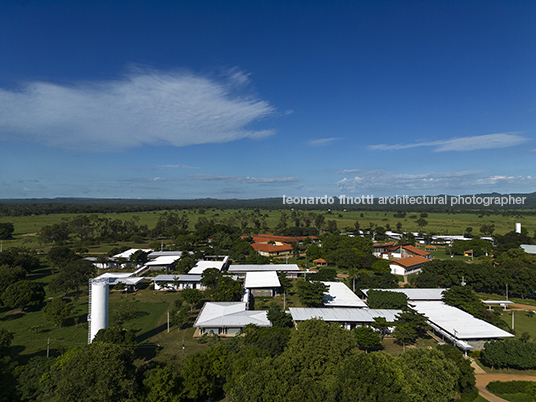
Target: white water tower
x,y
518,227
98,306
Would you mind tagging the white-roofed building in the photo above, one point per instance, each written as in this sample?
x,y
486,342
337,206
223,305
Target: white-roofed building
x,y
340,295
128,253
262,283
228,318
290,270
349,318
457,325
528,248
424,294
177,282
156,254
203,265
127,279
162,262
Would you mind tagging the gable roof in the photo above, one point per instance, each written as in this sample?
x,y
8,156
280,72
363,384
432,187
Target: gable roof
x,y
416,250
410,261
230,314
201,266
340,295
270,248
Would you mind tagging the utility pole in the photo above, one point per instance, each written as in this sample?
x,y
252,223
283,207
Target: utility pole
x,y
168,321
513,313
284,300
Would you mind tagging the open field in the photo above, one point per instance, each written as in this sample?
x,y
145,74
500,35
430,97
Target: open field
x,y
26,227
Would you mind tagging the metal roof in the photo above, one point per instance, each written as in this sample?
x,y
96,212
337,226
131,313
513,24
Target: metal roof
x,y
416,294
358,315
129,252
156,254
267,267
529,248
201,266
262,279
230,314
458,323
163,260
180,278
340,295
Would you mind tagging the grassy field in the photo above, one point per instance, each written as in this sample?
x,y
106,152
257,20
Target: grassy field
x,y
27,227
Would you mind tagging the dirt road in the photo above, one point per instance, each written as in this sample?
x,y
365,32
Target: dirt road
x,y
484,379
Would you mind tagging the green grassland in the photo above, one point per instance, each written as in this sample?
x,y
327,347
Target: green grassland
x,y
27,227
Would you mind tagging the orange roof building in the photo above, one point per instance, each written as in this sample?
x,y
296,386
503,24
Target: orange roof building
x,y
270,250
407,266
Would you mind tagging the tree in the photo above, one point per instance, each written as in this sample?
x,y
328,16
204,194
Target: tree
x,y
74,275
101,371
9,276
210,277
381,267
227,290
5,341
381,324
367,338
60,257
191,296
23,294
421,222
279,318
116,336
429,375
286,284
19,257
162,384
409,325
311,294
384,299
6,230
466,379
57,310
139,257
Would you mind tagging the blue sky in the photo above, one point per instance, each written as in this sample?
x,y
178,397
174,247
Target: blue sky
x,y
251,99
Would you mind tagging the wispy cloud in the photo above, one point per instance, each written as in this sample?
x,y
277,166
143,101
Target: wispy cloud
x,y
178,166
143,107
239,179
322,141
469,180
488,141
151,180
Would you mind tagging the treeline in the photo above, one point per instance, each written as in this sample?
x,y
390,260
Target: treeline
x,y
316,362
25,207
514,268
510,353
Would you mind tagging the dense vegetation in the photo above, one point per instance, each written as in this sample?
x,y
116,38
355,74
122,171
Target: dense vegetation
x,y
316,362
510,354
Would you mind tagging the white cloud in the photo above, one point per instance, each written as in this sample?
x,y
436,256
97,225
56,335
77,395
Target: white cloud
x,y
179,166
488,141
322,141
472,181
239,179
144,107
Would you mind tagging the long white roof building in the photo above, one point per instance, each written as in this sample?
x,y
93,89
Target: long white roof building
x,y
340,295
